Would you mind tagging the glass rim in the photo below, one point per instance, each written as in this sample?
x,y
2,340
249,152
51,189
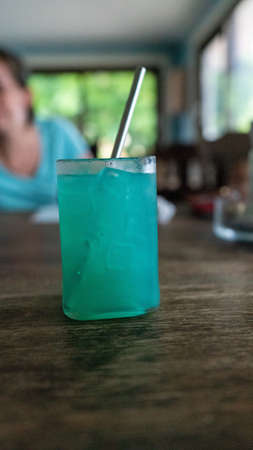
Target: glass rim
x,y
132,158
78,166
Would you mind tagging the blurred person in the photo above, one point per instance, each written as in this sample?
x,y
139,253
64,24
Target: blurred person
x,y
30,146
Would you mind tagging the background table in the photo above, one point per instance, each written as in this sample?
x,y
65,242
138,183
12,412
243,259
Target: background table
x,y
179,378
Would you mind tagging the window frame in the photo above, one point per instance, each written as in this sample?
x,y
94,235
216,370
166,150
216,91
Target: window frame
x,y
219,29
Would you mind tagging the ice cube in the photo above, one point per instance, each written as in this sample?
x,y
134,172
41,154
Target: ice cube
x,y
119,256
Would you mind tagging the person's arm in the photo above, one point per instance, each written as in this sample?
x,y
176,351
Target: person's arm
x,y
74,144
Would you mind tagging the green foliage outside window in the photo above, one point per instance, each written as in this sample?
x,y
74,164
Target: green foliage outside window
x,y
94,101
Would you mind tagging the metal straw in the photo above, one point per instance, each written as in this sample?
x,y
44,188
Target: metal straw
x,y
128,112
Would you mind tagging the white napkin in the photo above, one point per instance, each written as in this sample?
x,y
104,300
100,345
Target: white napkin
x,y
46,214
50,213
166,210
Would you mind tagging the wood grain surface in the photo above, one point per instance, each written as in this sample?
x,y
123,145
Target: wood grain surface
x,y
179,378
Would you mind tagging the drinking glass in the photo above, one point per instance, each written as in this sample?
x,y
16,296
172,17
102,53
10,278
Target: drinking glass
x,y
108,231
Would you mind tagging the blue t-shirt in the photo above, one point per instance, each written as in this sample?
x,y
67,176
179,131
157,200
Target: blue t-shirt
x,y
59,140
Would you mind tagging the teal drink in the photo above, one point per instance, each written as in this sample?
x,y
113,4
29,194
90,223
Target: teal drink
x,y
108,228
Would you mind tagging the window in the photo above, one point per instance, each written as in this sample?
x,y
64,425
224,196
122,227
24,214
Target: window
x,y
241,67
214,88
94,101
226,75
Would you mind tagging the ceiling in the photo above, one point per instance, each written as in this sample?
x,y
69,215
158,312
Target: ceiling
x,y
59,22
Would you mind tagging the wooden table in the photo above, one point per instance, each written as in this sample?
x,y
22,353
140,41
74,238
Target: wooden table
x,y
179,378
